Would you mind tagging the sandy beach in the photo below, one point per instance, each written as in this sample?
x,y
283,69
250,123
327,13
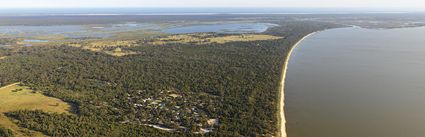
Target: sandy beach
x,y
282,89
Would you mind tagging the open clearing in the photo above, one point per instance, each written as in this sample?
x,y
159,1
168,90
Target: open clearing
x,y
119,48
109,47
206,38
16,97
120,52
2,57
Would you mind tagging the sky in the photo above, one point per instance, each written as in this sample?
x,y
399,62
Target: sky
x,y
407,4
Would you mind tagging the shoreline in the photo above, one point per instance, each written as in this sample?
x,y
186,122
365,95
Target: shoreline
x,y
282,120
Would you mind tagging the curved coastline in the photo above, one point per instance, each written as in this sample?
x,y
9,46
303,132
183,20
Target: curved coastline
x,y
282,120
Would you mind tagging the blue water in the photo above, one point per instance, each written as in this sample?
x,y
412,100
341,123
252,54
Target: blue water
x,y
184,11
222,28
39,30
74,31
35,41
102,31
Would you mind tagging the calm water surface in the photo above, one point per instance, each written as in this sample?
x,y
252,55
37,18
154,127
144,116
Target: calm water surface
x,y
222,28
74,31
81,31
35,41
355,82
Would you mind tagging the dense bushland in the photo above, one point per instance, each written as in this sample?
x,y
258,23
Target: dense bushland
x,y
236,83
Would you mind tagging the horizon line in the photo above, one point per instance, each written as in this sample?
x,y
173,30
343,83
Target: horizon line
x,y
131,7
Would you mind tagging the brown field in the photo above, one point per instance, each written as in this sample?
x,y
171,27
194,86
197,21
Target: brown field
x,y
209,38
113,43
138,34
105,46
115,47
119,52
16,97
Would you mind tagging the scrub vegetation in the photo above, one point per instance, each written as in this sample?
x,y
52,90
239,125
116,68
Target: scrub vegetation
x,y
117,48
228,87
121,48
209,38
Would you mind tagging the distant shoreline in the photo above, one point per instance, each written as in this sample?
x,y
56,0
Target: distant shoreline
x,y
187,14
282,120
129,11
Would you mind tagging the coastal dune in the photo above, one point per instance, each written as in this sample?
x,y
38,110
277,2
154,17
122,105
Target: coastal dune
x,y
282,122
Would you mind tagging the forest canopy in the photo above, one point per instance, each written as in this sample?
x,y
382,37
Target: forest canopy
x,y
228,88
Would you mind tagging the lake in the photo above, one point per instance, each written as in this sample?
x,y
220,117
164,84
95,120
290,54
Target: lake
x,y
355,82
222,28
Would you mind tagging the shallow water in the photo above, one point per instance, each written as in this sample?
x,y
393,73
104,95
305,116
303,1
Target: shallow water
x,y
222,28
74,31
35,41
355,82
102,31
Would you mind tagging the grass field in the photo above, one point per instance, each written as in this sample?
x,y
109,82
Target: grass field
x,y
105,46
16,97
118,52
208,38
137,34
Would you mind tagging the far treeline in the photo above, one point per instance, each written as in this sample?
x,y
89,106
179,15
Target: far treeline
x,y
236,83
